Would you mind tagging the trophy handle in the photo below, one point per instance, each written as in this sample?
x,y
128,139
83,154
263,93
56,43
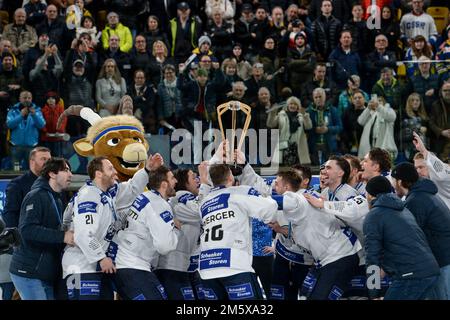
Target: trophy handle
x,y
234,106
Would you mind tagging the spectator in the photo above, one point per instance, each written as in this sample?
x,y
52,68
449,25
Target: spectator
x,y
158,61
320,80
221,34
243,33
415,120
36,264
24,119
35,10
154,32
78,90
432,216
418,48
140,56
325,30
31,56
87,25
378,122
345,98
379,59
129,13
244,68
444,55
292,121
15,192
6,46
390,28
341,9
352,130
44,79
51,136
225,6
81,50
74,14
417,23
203,49
425,83
229,69
109,88
169,103
268,56
259,112
389,88
277,26
22,36
396,245
300,62
183,33
260,28
115,28
143,99
345,61
257,80
55,29
115,52
358,29
326,125
440,122
11,81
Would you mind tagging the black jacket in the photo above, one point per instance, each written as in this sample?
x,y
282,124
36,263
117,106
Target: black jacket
x,y
433,216
394,241
39,255
325,34
15,192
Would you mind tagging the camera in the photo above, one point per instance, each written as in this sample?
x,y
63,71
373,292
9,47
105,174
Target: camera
x,y
9,237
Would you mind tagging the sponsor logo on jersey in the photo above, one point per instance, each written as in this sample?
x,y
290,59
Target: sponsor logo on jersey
x,y
335,293
87,207
214,204
90,288
186,197
277,292
288,254
253,192
140,202
166,216
214,258
208,294
240,291
188,293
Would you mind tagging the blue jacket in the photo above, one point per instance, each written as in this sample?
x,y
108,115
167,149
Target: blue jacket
x,y
15,193
334,127
24,131
433,216
39,255
394,241
344,66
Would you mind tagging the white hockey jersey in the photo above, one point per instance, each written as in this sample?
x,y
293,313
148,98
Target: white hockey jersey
x,y
92,215
185,256
412,25
324,235
343,192
226,241
440,175
150,229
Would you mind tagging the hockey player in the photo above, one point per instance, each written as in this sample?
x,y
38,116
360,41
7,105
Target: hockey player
x,y
177,270
377,162
225,244
431,167
333,248
354,179
93,217
151,228
336,174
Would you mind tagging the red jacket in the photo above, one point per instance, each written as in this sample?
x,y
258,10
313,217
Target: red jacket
x,y
380,3
51,116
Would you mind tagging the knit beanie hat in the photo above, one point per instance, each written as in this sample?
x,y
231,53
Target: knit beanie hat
x,y
204,39
405,171
378,185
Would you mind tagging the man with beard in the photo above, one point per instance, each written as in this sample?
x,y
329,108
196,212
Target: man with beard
x,y
95,215
150,230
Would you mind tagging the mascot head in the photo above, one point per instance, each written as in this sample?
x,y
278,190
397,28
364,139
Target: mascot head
x,y
119,138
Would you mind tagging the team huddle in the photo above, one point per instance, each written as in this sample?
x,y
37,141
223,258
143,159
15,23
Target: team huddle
x,y
189,235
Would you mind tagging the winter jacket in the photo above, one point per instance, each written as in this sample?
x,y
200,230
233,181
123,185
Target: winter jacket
x,y
124,34
392,94
57,33
39,255
432,216
168,104
381,124
24,131
345,65
421,85
51,115
281,121
328,85
182,43
395,242
325,40
15,193
22,38
375,62
300,67
334,125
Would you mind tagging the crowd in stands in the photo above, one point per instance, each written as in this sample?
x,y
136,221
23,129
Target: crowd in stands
x,y
313,69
